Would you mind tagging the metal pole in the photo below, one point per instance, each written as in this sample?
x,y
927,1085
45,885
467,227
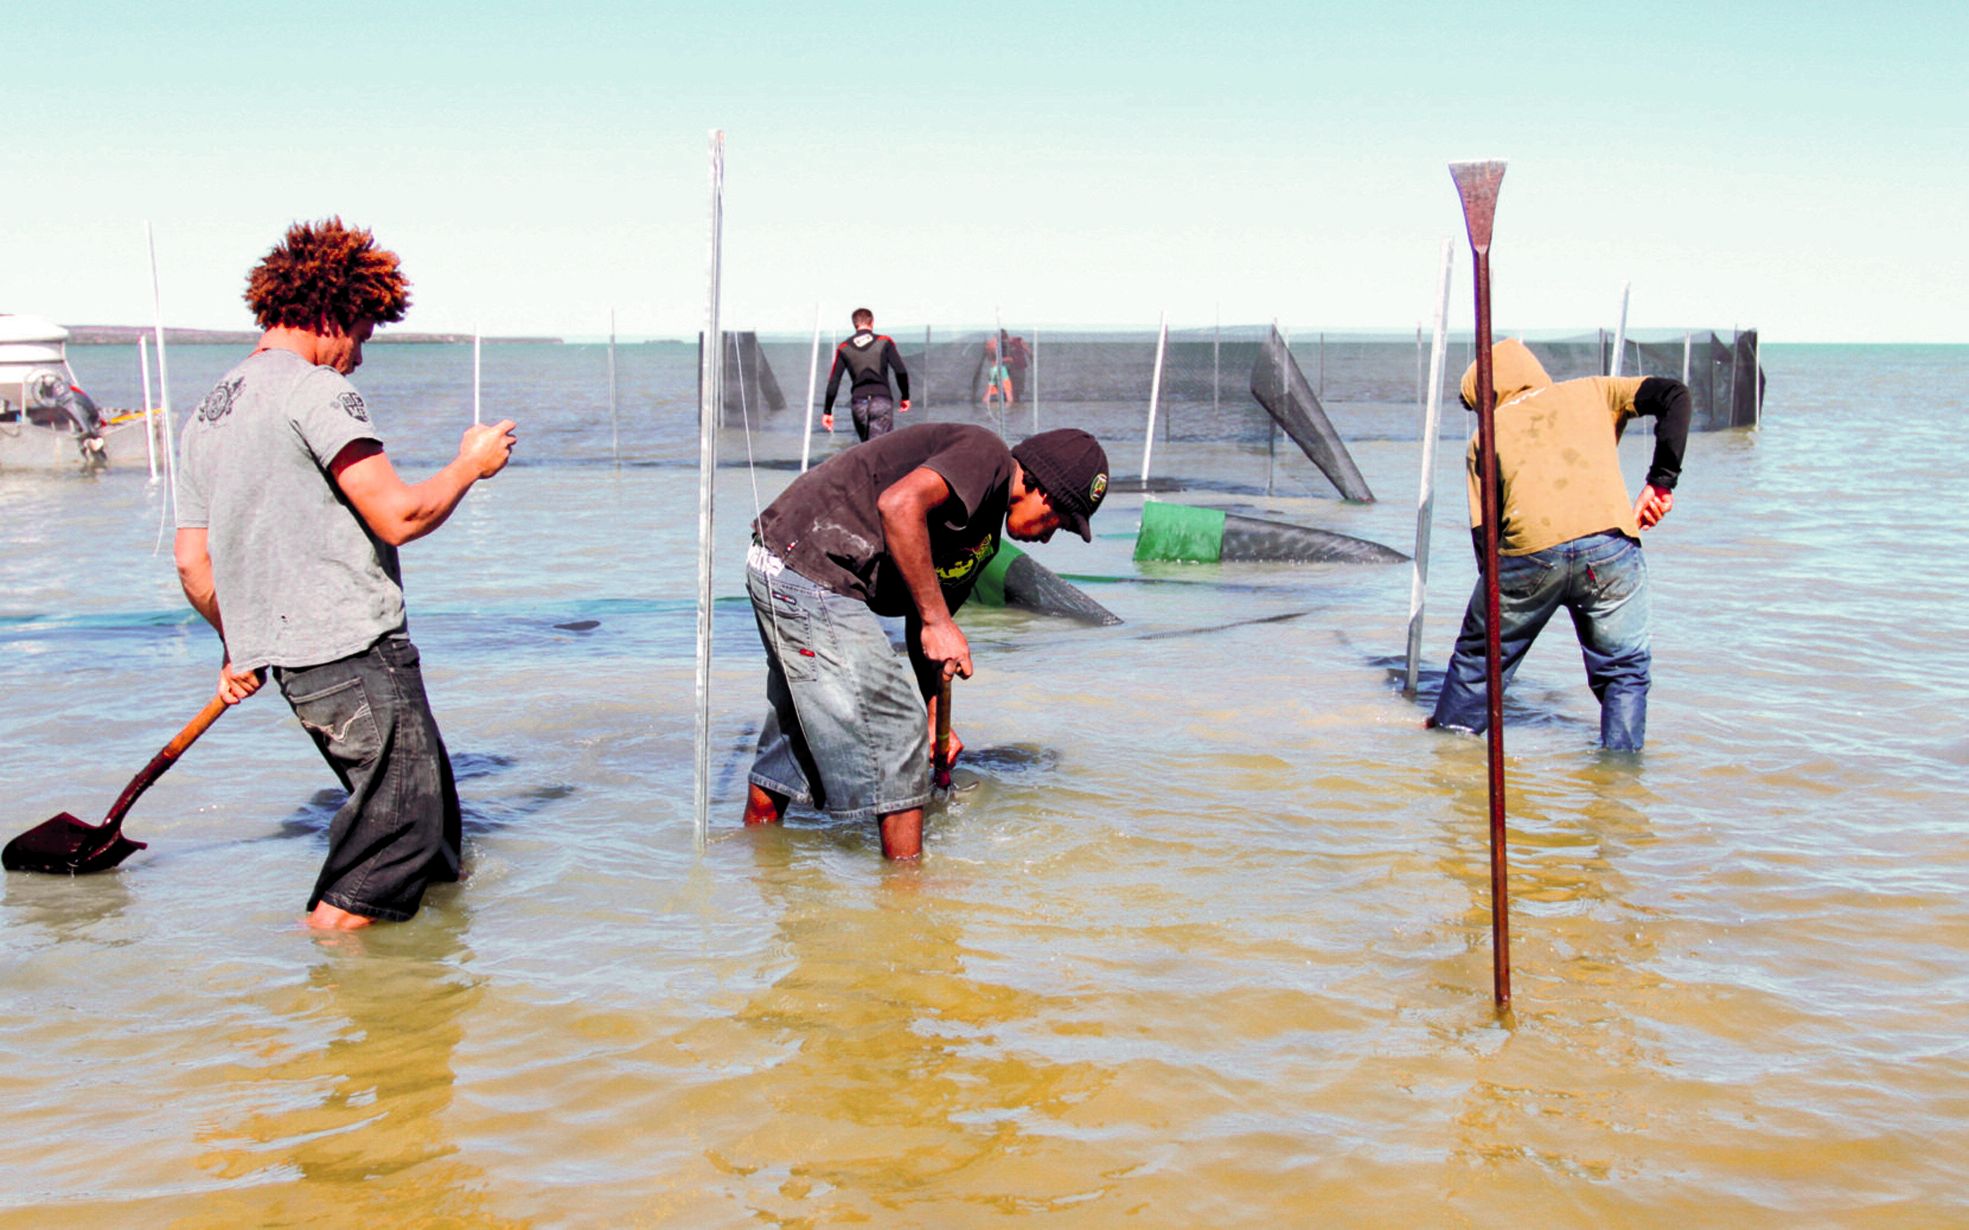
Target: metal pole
x,y
1620,331
163,371
150,420
1425,503
1418,369
1757,378
614,426
1688,344
1004,362
1216,365
1271,427
813,375
710,396
1477,184
925,399
1155,392
1736,366
1034,372
476,420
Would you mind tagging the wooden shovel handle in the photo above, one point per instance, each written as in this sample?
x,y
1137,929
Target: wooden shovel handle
x,y
939,754
164,759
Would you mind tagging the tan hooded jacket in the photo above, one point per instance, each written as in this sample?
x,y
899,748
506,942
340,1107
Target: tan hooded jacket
x,y
1558,453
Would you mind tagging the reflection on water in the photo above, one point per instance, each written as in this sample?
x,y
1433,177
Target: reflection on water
x,y
896,1093
341,1095
1202,939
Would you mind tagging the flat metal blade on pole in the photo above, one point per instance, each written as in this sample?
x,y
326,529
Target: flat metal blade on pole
x,y
710,397
1477,183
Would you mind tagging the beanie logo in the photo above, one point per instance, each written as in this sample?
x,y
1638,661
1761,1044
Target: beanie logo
x,y
1098,489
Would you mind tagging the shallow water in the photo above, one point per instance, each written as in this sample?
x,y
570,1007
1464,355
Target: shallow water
x,y
1203,938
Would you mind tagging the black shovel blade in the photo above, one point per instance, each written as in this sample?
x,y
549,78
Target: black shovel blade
x,y
66,846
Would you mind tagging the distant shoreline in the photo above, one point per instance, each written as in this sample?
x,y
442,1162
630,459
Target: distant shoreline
x,y
127,335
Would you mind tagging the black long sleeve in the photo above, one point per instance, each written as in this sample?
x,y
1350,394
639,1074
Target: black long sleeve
x,y
894,359
834,380
1667,402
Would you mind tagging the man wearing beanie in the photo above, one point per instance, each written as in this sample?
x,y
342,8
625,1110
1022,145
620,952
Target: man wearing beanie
x,y
900,526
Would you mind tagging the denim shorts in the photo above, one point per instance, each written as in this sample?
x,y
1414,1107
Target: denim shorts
x,y
399,829
846,728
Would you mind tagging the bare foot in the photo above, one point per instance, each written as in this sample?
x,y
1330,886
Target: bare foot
x,y
333,918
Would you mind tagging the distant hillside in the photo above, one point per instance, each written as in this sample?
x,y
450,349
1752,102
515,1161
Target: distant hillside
x,y
127,335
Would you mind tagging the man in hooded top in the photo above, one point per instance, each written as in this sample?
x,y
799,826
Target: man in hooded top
x,y
1567,534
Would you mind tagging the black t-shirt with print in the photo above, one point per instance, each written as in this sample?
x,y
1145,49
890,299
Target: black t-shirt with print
x,y
827,528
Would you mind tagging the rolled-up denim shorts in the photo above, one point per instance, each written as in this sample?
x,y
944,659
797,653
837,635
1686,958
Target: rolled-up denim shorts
x,y
399,829
846,729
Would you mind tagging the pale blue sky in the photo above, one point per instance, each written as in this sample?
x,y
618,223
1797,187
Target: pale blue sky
x,y
1798,167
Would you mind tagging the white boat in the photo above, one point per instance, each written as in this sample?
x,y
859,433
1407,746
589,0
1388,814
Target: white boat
x,y
46,421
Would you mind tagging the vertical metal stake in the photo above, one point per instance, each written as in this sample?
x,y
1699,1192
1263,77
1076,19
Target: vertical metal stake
x,y
1425,503
1477,183
710,397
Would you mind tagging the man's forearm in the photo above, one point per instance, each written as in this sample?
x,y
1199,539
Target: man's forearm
x,y
833,385
1669,404
432,501
909,547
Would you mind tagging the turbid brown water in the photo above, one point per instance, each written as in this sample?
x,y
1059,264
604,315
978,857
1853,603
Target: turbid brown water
x,y
1202,937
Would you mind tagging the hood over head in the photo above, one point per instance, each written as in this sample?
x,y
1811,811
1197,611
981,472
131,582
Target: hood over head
x,y
1513,370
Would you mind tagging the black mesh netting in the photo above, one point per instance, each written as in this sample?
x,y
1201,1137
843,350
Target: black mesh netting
x,y
1210,429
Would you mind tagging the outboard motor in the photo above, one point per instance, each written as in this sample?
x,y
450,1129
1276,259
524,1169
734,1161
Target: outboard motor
x,y
47,390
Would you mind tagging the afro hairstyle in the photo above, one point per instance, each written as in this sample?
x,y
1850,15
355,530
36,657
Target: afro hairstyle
x,y
327,275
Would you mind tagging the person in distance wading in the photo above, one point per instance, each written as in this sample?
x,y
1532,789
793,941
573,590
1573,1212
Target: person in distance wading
x,y
1567,535
868,357
289,519
902,526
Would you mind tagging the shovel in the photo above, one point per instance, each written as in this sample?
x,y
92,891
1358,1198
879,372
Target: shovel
x,y
66,846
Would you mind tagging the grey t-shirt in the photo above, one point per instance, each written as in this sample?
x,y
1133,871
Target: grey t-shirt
x,y
300,578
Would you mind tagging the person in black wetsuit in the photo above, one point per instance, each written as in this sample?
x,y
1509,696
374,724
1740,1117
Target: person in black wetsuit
x,y
870,356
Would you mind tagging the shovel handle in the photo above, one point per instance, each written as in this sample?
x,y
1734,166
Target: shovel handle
x,y
939,755
165,759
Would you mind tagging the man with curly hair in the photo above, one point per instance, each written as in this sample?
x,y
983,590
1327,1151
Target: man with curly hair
x,y
289,519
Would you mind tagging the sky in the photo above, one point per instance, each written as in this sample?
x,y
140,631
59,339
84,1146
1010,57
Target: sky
x,y
1796,167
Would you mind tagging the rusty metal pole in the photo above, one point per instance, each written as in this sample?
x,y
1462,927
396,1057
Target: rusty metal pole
x,y
1476,183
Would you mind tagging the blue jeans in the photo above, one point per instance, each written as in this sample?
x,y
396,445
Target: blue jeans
x,y
1602,579
875,415
399,829
846,728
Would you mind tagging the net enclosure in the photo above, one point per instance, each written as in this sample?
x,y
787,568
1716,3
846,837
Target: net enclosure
x,y
1211,388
